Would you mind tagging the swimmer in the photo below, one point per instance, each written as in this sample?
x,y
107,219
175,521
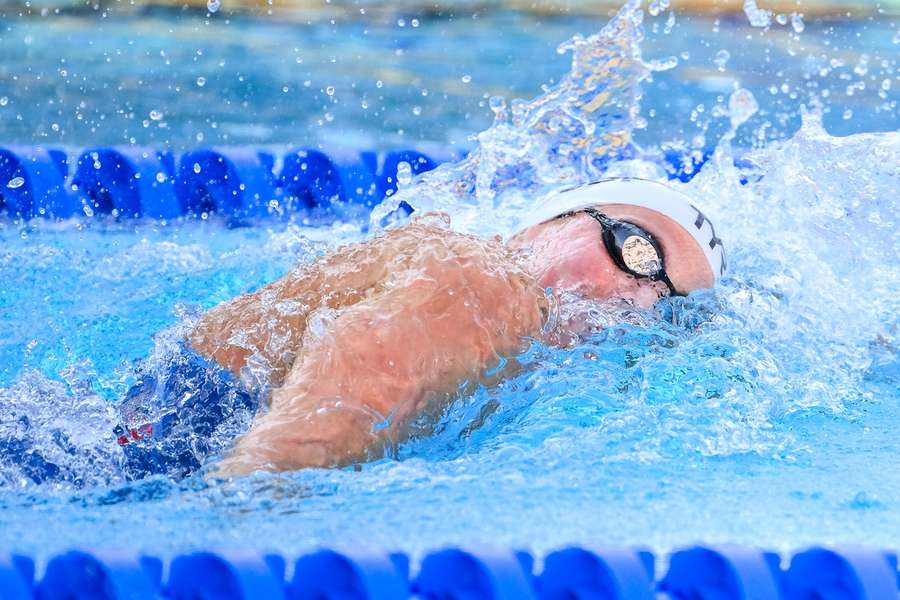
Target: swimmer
x,y
362,341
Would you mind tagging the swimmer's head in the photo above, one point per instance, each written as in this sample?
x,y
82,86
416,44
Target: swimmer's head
x,y
622,238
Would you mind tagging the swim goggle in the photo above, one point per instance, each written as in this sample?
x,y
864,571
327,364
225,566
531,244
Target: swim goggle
x,y
632,249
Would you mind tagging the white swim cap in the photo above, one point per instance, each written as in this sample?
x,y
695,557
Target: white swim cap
x,y
652,195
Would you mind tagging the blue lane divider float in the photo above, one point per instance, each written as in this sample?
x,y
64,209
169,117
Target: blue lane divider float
x,y
233,181
723,572
595,573
485,574
352,574
98,575
226,576
243,182
312,178
16,577
611,573
33,182
851,574
127,181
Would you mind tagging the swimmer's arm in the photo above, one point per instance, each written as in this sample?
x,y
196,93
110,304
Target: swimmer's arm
x,y
383,361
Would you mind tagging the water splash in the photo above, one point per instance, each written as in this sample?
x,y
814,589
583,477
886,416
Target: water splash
x,y
758,17
805,323
567,135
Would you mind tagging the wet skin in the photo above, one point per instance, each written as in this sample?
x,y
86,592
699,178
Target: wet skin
x,y
358,343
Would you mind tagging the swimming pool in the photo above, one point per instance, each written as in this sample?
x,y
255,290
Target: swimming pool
x,y
762,413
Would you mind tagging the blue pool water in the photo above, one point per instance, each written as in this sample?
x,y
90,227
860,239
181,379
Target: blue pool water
x,y
763,412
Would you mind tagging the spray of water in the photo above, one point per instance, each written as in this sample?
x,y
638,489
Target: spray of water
x,y
569,134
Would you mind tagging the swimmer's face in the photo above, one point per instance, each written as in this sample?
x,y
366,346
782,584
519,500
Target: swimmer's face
x,y
568,254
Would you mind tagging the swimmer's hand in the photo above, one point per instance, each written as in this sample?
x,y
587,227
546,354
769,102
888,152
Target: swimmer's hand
x,y
377,364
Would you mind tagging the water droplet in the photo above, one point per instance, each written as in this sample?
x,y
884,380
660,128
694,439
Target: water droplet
x,y
404,174
498,106
330,90
415,22
417,110
16,182
663,64
848,114
781,19
213,5
4,100
156,115
741,106
721,59
466,78
797,23
401,22
197,167
201,81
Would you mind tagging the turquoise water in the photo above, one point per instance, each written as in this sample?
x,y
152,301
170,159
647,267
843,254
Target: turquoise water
x,y
763,412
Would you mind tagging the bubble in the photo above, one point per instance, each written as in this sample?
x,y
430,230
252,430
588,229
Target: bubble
x,y
201,81
4,100
797,23
466,78
721,59
741,106
197,168
161,177
417,110
330,90
156,115
404,174
213,5
848,114
16,182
